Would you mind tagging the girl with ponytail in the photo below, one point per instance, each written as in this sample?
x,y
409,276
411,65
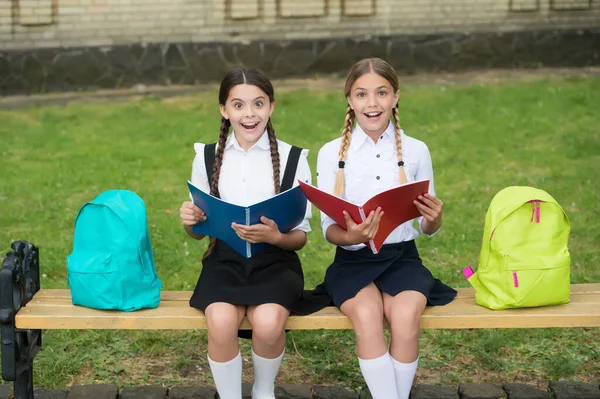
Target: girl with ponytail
x,y
373,156
244,167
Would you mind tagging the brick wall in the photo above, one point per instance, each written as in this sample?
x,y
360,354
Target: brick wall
x,y
31,24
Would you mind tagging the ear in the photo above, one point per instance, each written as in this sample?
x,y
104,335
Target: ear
x,y
396,96
349,103
223,111
272,108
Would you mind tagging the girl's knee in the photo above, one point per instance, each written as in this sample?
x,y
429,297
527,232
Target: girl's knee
x,y
268,327
405,320
366,317
222,325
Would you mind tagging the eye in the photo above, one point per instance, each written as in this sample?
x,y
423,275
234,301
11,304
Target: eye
x,y
259,103
237,105
361,95
382,93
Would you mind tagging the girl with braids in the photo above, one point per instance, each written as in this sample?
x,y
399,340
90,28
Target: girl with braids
x,y
373,156
243,168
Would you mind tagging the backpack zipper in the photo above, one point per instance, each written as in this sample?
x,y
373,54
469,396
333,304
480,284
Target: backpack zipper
x,y
535,211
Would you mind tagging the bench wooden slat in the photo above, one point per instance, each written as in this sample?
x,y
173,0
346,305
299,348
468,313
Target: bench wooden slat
x,y
576,289
458,304
52,309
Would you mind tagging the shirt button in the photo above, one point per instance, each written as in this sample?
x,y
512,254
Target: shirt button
x,y
378,155
244,180
377,177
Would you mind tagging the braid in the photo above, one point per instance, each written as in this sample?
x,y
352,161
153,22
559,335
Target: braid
x,y
274,156
346,136
399,144
214,183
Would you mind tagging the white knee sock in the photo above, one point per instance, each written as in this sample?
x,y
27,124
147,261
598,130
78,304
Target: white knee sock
x,y
228,377
379,376
265,371
405,374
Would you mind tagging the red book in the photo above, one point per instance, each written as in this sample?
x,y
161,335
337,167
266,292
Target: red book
x,y
396,204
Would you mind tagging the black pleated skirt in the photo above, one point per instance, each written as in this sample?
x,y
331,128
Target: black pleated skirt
x,y
396,268
271,276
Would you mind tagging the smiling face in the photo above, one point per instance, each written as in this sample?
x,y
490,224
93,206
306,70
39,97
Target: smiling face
x,y
248,108
372,98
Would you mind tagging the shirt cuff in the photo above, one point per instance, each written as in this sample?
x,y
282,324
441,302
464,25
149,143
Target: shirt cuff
x,y
325,225
304,226
421,230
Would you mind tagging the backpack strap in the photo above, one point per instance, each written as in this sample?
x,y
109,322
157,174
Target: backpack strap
x,y
209,160
290,168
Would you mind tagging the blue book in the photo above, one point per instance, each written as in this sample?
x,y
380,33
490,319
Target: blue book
x,y
287,209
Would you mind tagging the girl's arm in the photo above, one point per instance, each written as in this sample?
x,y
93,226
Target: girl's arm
x,y
291,241
356,233
190,215
431,211
327,168
188,230
268,231
428,205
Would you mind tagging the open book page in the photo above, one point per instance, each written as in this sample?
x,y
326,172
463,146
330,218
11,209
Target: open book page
x,y
287,209
396,203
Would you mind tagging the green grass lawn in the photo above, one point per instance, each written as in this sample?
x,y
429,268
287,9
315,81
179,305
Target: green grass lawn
x,y
482,138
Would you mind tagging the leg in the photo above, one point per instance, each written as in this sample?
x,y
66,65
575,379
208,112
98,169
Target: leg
x,y
224,356
268,334
403,312
268,342
223,321
365,311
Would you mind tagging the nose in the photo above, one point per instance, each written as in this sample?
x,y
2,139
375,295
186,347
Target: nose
x,y
371,101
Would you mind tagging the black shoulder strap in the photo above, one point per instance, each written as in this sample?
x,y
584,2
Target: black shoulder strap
x,y
290,168
209,160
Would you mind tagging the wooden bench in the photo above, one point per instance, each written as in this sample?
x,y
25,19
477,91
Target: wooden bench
x,y
25,311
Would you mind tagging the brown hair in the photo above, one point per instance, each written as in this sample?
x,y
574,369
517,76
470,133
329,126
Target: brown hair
x,y
254,77
362,67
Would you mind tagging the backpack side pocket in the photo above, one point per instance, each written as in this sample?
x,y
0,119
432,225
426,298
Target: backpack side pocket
x,y
95,281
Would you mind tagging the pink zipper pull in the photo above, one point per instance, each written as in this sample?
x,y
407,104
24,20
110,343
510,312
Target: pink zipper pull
x,y
532,211
515,279
468,272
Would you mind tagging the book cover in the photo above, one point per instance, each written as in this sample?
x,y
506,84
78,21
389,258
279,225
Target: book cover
x,y
287,209
396,203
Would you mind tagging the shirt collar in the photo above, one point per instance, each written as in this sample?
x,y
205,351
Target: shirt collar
x,y
262,143
359,136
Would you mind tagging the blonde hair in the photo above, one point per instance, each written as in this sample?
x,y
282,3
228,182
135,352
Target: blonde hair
x,y
386,71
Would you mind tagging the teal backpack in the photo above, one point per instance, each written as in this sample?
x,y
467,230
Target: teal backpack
x,y
112,265
524,259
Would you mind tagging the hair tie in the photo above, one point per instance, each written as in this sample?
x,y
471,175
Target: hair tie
x,y
341,164
401,163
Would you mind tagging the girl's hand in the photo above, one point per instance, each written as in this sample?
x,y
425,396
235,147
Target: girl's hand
x,y
190,214
267,231
430,208
359,233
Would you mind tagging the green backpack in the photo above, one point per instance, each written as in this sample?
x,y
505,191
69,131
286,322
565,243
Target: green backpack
x,y
524,260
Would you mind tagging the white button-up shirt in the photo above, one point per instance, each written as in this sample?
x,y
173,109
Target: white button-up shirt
x,y
246,177
371,168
